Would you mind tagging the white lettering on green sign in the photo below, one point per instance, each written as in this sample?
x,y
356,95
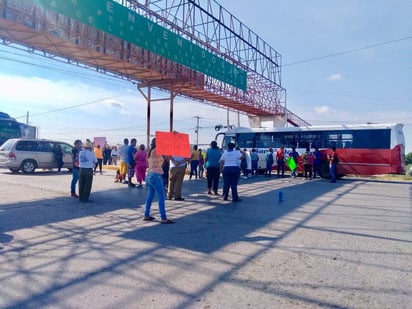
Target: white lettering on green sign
x,y
119,21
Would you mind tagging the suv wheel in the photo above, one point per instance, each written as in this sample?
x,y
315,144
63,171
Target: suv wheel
x,y
28,166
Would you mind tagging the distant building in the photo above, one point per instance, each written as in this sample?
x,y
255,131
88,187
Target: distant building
x,y
28,131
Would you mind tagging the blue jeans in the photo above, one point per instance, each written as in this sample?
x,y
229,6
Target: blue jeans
x,y
332,170
154,184
269,165
75,179
60,163
193,168
254,167
231,176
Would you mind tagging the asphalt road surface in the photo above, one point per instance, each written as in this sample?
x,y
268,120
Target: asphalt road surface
x,y
343,245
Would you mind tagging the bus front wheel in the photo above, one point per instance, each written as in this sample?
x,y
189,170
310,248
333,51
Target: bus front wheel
x,y
324,170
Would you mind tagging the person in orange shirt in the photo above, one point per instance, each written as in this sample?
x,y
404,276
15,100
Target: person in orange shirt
x,y
333,161
98,151
280,160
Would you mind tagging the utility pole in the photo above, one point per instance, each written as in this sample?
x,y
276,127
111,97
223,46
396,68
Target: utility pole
x,y
197,128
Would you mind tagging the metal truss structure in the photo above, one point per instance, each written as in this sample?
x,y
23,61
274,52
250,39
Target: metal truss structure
x,y
203,22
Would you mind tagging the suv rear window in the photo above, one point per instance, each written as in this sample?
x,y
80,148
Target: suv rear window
x,y
27,146
38,146
8,145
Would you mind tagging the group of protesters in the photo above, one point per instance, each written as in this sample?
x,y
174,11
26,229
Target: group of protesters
x,y
163,175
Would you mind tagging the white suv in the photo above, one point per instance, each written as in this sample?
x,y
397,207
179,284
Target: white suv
x,y
28,154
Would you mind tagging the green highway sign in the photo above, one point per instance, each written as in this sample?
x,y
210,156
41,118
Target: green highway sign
x,y
119,21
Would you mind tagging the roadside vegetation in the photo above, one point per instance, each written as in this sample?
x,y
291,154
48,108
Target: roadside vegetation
x,y
408,168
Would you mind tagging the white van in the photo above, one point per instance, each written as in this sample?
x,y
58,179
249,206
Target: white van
x,y
29,154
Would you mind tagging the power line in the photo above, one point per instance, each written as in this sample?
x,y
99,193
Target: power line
x,y
69,107
348,51
52,67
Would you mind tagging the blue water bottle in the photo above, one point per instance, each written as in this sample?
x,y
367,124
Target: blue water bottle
x,y
280,196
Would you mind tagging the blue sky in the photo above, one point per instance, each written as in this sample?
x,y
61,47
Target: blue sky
x,y
371,84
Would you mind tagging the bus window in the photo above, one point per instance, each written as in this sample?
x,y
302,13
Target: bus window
x,y
373,139
266,140
334,139
246,140
228,139
347,139
310,139
289,139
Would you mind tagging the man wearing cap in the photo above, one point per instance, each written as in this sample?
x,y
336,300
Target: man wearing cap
x,y
76,164
87,160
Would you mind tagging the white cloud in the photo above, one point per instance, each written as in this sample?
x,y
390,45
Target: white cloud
x,y
113,103
335,77
322,109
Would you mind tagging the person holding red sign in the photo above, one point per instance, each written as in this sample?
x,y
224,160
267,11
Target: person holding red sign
x,y
176,175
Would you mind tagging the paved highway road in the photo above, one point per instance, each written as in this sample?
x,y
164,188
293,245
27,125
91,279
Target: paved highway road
x,y
344,245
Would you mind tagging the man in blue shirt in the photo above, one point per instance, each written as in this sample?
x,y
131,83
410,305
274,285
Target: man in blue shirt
x,y
131,162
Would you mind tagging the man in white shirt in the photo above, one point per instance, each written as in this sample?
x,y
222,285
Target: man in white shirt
x,y
230,163
87,160
176,175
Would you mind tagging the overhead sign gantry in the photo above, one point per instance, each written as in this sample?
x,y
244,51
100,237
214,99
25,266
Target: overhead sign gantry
x,y
191,48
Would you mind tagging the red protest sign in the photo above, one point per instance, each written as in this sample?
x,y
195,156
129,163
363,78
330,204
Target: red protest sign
x,y
172,144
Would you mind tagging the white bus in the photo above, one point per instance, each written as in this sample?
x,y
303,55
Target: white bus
x,y
364,149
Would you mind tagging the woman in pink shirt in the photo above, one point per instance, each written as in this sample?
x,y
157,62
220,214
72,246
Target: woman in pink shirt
x,y
141,165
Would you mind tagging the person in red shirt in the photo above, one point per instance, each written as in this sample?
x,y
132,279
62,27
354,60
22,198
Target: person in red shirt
x,y
280,160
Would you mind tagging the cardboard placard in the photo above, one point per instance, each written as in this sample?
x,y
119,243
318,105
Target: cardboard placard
x,y
99,141
172,144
